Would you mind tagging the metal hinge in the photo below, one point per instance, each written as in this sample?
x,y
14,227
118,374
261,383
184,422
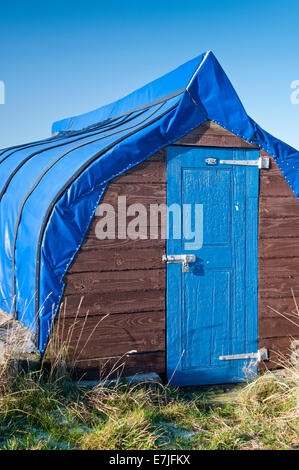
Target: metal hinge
x,y
261,355
262,162
184,259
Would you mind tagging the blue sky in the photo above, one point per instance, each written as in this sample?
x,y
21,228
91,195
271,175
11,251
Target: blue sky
x,y
62,58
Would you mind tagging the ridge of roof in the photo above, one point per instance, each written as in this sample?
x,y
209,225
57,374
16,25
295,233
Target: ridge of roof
x,y
159,89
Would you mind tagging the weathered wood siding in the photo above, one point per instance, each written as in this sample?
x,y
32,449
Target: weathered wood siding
x,y
120,284
278,265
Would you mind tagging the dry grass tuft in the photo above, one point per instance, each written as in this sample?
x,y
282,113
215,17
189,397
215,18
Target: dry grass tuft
x,y
43,409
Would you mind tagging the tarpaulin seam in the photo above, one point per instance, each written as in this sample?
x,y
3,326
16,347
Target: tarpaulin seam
x,y
70,206
45,141
82,196
45,171
139,108
68,142
25,146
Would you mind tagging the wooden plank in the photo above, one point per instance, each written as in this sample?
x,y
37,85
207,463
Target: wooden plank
x,y
211,135
279,206
158,156
208,140
286,306
273,171
212,127
273,184
279,247
142,193
146,172
114,335
281,227
123,302
108,229
279,267
115,281
278,326
208,126
117,259
93,369
272,287
92,242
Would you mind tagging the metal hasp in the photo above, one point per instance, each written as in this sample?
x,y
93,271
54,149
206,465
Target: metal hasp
x,y
262,162
261,355
184,259
211,161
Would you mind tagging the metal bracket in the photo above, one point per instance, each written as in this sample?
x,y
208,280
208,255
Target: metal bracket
x,y
184,259
261,355
262,162
211,161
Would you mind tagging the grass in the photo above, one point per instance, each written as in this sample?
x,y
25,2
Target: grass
x,y
39,411
44,409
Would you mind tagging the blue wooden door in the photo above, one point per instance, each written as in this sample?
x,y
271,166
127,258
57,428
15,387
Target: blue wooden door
x,y
212,309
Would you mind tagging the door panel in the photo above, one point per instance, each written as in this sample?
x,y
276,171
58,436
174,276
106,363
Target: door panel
x,y
212,309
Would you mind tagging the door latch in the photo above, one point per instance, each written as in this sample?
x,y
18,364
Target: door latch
x,y
184,259
261,355
262,162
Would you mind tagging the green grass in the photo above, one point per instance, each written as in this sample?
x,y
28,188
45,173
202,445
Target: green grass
x,y
38,411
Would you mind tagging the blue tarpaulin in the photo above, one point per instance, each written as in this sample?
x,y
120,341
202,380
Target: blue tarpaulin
x,y
50,189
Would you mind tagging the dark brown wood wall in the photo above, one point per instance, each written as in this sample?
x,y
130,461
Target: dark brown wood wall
x,y
120,285
278,265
